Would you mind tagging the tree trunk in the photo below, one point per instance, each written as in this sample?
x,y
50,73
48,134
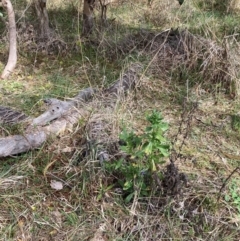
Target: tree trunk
x,y
12,57
40,6
87,25
103,10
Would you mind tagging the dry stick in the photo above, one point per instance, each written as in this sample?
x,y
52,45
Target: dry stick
x,y
12,57
158,51
189,120
180,129
225,182
24,11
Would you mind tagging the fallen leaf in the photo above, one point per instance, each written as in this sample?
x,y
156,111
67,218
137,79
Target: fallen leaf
x,y
66,149
56,185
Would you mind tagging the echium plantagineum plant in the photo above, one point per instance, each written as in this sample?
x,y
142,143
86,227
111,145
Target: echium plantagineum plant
x,y
145,152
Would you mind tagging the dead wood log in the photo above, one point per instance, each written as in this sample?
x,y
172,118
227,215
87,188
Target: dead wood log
x,y
62,115
36,136
10,116
58,108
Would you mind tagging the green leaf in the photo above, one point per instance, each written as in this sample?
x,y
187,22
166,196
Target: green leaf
x,y
119,164
163,126
160,137
129,197
154,169
148,149
234,194
236,202
227,198
109,187
127,185
124,148
164,151
148,128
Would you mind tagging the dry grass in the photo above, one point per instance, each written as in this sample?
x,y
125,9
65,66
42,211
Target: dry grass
x,y
86,209
166,8
182,57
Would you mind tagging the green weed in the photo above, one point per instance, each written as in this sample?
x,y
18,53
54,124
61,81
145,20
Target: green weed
x,y
235,122
145,152
234,194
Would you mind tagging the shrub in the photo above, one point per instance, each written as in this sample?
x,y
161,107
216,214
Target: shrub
x,y
144,153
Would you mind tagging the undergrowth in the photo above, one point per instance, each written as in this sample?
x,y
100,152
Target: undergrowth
x,y
123,197
145,153
233,194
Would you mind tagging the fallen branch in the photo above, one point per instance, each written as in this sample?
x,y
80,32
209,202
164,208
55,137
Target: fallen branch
x,y
62,115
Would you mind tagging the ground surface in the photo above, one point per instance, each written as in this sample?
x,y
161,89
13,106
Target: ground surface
x,y
89,207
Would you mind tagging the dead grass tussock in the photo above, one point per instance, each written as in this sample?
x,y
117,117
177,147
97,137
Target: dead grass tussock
x,y
165,8
234,60
182,55
28,40
226,6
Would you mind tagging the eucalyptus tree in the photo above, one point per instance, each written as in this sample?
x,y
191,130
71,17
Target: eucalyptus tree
x,y
12,57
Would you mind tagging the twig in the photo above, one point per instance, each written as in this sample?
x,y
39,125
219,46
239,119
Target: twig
x,y
188,121
225,182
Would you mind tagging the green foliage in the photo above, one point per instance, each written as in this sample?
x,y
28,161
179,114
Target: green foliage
x,y
145,152
234,194
214,5
235,122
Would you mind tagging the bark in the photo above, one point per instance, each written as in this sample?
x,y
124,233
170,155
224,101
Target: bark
x,y
12,57
103,10
40,6
104,5
65,115
87,25
62,115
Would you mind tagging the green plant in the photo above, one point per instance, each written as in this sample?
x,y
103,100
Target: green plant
x,y
214,5
144,153
234,194
235,122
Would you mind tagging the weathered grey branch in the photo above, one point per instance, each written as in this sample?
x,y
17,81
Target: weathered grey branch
x,y
58,108
17,144
10,116
36,136
62,115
